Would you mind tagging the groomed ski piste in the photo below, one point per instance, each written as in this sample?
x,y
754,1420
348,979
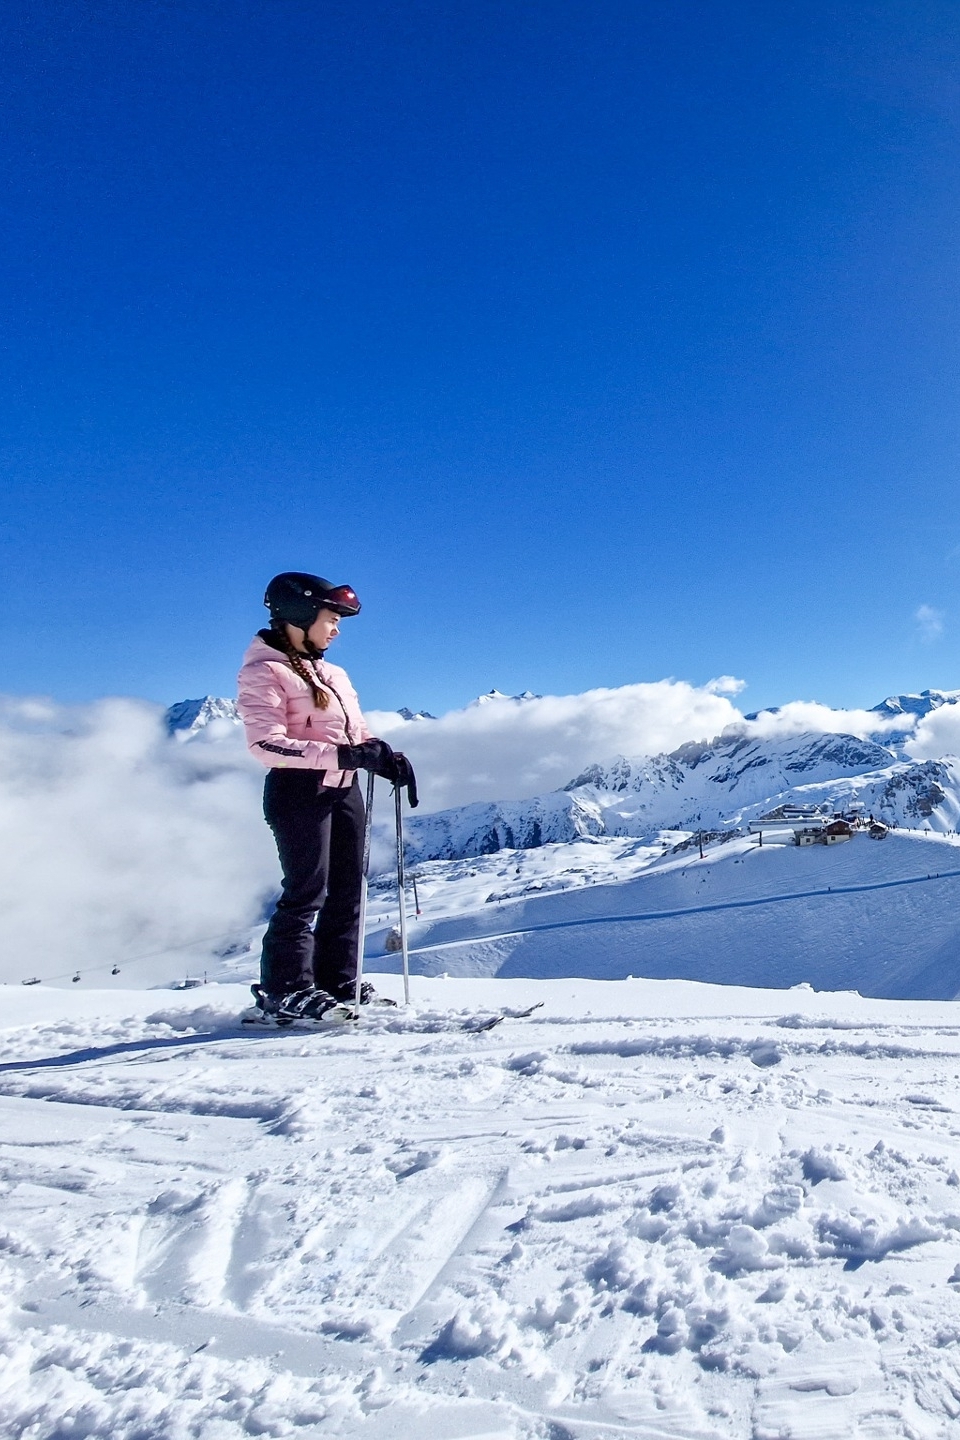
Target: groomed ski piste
x,y
654,1207
884,916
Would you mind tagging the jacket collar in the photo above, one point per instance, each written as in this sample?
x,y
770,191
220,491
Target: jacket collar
x,y
271,638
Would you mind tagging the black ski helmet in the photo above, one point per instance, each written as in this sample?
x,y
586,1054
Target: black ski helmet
x,y
297,599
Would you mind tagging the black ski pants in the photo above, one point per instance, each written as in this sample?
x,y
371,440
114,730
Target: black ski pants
x,y
313,934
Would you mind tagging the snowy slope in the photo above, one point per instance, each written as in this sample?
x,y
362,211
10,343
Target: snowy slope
x,y
166,871
652,1210
881,917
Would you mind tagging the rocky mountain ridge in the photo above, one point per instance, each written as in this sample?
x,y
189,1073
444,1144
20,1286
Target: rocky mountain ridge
x,y
671,798
916,705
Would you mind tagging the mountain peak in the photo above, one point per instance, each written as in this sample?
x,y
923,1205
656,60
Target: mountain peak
x,y
406,714
917,705
187,717
498,695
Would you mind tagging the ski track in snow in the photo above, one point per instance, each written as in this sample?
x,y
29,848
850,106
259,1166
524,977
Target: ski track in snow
x,y
652,1209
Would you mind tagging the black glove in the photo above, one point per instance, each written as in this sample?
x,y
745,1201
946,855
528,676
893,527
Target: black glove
x,y
375,755
406,778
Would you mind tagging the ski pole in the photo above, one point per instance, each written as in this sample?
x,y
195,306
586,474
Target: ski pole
x,y
367,829
403,898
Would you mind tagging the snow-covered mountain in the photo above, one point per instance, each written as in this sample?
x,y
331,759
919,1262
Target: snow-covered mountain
x,y
189,717
483,829
734,780
493,696
908,708
718,786
916,705
741,769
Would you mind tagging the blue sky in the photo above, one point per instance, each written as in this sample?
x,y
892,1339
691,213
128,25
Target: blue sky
x,y
591,342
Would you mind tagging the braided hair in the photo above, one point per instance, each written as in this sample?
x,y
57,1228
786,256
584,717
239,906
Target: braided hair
x,y
320,697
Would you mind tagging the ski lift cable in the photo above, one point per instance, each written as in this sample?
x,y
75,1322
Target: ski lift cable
x,y
115,965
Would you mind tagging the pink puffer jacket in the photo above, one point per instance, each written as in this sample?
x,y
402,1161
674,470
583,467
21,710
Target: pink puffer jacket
x,y
284,727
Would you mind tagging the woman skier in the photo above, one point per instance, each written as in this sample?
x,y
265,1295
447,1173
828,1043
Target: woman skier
x,y
303,721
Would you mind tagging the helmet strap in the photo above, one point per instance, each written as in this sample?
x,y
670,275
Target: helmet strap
x,y
309,649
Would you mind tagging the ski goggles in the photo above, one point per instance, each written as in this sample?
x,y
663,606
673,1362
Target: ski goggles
x,y
342,599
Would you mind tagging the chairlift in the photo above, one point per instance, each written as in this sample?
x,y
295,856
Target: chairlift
x,y
34,980
115,970
76,977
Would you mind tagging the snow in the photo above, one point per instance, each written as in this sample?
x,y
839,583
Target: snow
x,y
880,917
723,785
494,695
654,1208
717,1201
188,717
918,705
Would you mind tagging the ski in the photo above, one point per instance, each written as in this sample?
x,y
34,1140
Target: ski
x,y
494,1020
343,1013
336,1015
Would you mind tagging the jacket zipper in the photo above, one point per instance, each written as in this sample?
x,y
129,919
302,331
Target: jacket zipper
x,y
346,717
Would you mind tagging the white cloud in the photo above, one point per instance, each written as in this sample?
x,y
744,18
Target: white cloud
x,y
929,623
117,841
801,716
936,734
508,752
725,685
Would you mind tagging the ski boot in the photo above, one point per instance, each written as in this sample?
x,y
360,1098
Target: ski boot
x,y
368,996
310,1006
